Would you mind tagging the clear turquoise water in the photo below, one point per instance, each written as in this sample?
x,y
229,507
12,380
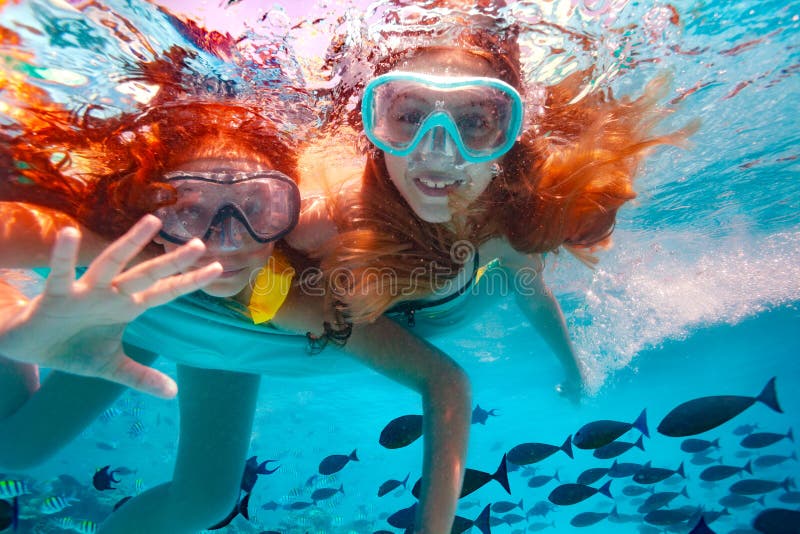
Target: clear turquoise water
x,y
698,297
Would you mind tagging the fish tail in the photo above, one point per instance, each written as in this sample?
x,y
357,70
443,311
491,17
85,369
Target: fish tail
x,y
341,488
605,489
501,475
760,500
555,476
769,396
264,470
243,507
684,492
788,484
353,456
639,443
715,443
482,521
747,467
790,435
680,471
520,504
794,456
405,481
613,512
567,446
641,423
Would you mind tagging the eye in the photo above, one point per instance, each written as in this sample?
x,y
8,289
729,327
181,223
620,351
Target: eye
x,y
473,124
411,117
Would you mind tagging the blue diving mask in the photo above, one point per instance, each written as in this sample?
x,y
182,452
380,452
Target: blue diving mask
x,y
482,116
264,204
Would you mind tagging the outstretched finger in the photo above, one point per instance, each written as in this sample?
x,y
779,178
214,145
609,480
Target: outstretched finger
x,y
62,262
134,375
117,255
144,275
168,289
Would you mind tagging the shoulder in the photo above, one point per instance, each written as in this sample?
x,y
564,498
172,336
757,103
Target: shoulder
x,y
509,257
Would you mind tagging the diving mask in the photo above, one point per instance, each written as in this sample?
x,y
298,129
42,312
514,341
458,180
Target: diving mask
x,y
482,116
265,203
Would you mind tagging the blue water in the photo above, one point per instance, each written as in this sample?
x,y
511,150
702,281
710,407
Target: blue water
x,y
698,297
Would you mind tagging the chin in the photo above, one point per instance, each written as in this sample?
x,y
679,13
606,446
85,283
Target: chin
x,y
225,288
435,215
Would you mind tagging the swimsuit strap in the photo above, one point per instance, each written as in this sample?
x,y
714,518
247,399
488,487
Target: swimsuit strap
x,y
410,307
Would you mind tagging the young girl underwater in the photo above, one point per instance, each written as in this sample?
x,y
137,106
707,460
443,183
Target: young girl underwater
x,y
209,168
465,179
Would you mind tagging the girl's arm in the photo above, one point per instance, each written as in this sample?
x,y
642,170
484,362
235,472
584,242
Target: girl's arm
x,y
446,400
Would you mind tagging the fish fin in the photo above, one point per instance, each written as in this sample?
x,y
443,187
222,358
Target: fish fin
x,y
263,470
501,475
225,522
639,443
605,489
684,492
641,423
555,476
790,435
482,521
747,467
243,507
680,471
567,446
405,480
715,443
353,456
613,512
769,396
794,456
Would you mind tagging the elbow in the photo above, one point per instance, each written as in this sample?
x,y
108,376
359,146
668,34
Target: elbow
x,y
452,385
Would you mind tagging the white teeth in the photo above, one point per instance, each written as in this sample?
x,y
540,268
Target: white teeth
x,y
438,185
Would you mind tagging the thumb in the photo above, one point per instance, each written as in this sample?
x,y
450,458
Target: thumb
x,y
123,370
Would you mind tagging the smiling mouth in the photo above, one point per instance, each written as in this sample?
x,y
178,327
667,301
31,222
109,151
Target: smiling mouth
x,y
437,185
232,272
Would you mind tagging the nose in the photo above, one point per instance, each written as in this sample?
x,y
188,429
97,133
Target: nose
x,y
438,149
439,142
228,234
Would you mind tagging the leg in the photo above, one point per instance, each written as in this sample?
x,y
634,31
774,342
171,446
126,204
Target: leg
x,y
52,417
217,410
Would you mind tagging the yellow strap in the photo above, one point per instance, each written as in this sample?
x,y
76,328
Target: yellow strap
x,y
271,288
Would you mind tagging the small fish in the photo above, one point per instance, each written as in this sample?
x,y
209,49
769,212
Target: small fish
x,y
587,519
701,527
539,526
136,429
13,488
512,519
652,475
501,507
590,476
479,415
529,453
716,473
271,505
770,460
109,414
541,480
299,505
635,491
599,433
64,523
702,459
138,485
616,448
759,440
755,486
743,430
84,526
401,432
125,470
739,501
541,508
663,518
336,462
322,494
624,469
390,485
103,478
698,445
790,497
9,514
53,505
567,494
700,415
778,521
102,445
660,500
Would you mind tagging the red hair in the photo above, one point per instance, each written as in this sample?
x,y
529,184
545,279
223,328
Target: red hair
x,y
105,171
558,187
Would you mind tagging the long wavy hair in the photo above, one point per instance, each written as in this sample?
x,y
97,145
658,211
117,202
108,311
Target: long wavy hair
x,y
560,185
105,172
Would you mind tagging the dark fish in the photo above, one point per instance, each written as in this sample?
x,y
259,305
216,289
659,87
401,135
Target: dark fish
x,y
335,462
479,415
790,497
121,502
502,507
530,453
536,527
702,459
299,505
701,527
764,439
635,491
9,514
702,414
769,460
698,445
474,480
102,445
390,485
401,431
599,433
512,519
660,500
321,494
743,430
652,475
615,448
664,518
590,476
541,480
541,508
251,471
712,515
739,501
403,518
567,494
716,473
240,508
587,519
755,486
778,521
624,469
103,479
271,505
